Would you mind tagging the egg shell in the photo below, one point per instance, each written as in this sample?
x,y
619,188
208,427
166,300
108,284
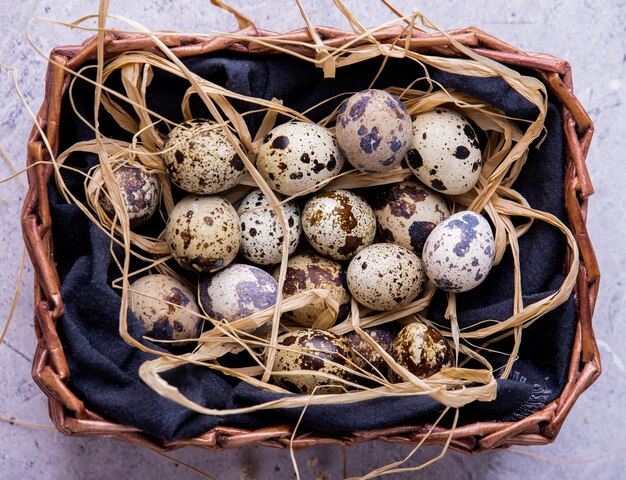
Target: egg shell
x,y
315,350
261,233
203,233
407,212
297,156
373,130
338,223
385,276
140,192
445,153
459,252
366,356
309,271
200,158
161,319
422,350
236,292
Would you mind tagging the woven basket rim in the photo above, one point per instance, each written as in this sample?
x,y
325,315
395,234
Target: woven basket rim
x,y
50,370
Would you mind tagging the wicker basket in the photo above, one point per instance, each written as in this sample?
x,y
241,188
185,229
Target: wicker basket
x,y
50,369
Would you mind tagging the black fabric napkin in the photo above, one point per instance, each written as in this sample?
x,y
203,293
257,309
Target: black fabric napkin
x,y
104,368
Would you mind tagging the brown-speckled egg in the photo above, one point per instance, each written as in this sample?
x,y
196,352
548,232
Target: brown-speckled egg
x,y
203,233
407,212
459,252
338,223
140,192
327,353
148,301
373,130
261,233
236,292
201,159
445,153
309,271
422,350
297,156
385,276
366,356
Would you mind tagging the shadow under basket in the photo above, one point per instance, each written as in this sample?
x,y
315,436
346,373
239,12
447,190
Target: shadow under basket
x,y
50,366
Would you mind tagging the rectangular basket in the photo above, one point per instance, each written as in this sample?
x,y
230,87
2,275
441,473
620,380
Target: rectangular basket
x,y
50,368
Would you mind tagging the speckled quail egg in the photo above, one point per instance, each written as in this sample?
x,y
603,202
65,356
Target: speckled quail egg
x,y
308,271
148,300
140,192
385,276
315,350
236,292
459,252
203,233
366,356
407,212
297,156
200,158
261,232
338,223
373,130
445,153
422,350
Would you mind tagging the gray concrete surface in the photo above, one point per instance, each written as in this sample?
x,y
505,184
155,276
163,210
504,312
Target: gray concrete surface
x,y
592,443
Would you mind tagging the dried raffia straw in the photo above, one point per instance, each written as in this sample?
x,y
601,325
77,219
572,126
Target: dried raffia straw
x,y
16,295
508,142
21,423
20,274
22,264
186,465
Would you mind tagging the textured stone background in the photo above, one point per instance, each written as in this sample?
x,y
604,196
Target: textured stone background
x,y
592,443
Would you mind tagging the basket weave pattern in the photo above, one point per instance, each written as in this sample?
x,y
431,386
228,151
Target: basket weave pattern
x,y
50,369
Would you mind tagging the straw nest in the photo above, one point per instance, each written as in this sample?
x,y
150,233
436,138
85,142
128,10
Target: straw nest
x,y
507,147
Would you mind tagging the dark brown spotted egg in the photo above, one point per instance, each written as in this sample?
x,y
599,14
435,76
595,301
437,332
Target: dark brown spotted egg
x,y
445,154
201,159
139,189
261,232
297,156
236,292
203,233
459,252
385,276
309,271
422,350
407,212
373,130
166,308
312,350
366,356
338,223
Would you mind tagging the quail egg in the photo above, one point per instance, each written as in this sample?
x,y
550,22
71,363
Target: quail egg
x,y
314,350
422,350
385,276
308,271
338,223
407,212
373,130
261,232
366,356
297,156
166,308
140,192
445,153
459,252
203,233
236,292
200,158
